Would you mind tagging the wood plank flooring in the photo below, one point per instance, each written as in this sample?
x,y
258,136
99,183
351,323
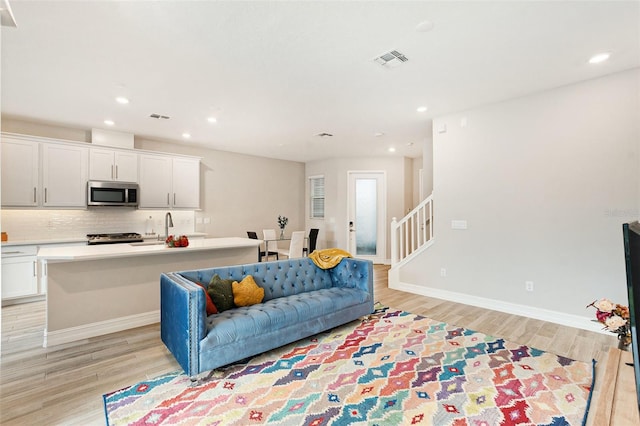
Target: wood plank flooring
x,y
63,385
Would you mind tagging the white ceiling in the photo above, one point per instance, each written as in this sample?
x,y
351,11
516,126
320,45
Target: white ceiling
x,y
275,74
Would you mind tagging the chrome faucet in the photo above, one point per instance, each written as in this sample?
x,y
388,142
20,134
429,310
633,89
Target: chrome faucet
x,y
168,222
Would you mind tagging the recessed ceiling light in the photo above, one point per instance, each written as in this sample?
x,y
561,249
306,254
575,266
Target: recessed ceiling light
x,y
122,100
378,134
409,143
212,120
109,122
422,109
186,135
600,57
424,26
392,149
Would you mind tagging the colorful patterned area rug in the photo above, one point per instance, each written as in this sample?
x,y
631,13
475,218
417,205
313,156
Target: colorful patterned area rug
x,y
394,368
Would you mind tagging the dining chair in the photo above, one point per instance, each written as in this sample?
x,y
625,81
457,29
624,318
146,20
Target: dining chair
x,y
254,236
271,247
295,246
313,238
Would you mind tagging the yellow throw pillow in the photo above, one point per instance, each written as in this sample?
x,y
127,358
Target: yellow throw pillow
x,y
247,292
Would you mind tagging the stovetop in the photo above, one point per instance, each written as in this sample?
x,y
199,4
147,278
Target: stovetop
x,y
114,238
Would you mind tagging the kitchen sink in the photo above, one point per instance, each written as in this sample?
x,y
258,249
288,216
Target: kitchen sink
x,y
147,243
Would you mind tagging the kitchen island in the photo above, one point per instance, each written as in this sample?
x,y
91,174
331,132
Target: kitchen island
x,y
96,290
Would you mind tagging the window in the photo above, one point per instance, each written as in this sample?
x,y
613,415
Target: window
x,y
316,189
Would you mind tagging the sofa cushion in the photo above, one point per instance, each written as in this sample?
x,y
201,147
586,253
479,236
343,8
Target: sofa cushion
x,y
247,292
249,321
221,292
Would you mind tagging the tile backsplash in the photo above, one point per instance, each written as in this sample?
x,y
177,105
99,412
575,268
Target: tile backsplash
x,y
35,224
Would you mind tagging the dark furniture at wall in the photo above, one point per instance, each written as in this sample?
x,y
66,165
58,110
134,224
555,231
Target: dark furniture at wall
x,y
313,237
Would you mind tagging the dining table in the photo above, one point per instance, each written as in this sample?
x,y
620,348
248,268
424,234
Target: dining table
x,y
280,238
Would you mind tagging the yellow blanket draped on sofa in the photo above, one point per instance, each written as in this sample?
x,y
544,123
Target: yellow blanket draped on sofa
x,y
328,258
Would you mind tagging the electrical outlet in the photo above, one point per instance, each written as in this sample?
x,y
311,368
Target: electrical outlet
x,y
443,272
528,285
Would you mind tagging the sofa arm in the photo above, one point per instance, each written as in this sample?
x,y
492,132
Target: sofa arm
x,y
182,319
354,273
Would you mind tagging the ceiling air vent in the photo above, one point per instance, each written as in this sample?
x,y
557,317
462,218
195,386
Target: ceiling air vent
x,y
158,116
324,135
391,59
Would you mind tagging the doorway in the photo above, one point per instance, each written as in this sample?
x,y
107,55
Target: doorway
x,y
367,215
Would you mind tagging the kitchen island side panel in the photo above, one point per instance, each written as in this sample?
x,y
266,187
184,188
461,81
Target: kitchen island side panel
x,y
85,295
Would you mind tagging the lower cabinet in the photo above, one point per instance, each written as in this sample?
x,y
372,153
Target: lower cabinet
x,y
19,272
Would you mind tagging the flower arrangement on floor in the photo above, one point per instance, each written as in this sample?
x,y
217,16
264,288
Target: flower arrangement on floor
x,y
282,222
615,318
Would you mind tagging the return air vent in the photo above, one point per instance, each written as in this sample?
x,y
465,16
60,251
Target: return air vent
x,y
391,59
158,116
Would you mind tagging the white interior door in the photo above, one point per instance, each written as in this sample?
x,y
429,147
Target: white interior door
x,y
367,215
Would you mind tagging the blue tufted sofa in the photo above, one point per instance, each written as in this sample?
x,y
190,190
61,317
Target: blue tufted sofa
x,y
300,300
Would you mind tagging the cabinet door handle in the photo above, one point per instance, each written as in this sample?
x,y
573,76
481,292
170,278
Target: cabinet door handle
x,y
45,195
174,198
116,171
35,268
12,252
34,194
167,198
112,176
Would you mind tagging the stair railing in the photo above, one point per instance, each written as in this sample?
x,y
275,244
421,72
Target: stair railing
x,y
412,232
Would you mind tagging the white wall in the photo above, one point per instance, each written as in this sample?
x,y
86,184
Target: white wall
x,y
333,229
545,183
416,165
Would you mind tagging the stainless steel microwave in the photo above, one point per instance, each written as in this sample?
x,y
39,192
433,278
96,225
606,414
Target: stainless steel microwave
x,y
102,193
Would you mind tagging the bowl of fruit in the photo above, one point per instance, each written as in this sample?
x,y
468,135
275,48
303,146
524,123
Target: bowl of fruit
x,y
180,241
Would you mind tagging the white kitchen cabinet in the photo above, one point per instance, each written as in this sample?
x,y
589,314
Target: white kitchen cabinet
x,y
113,165
20,173
155,181
169,182
186,183
19,272
65,171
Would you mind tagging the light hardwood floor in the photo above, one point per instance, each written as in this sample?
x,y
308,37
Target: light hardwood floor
x,y
63,385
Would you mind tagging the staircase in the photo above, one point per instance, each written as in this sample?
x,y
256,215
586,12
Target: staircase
x,y
412,234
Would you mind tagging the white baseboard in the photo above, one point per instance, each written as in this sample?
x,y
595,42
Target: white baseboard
x,y
86,331
568,320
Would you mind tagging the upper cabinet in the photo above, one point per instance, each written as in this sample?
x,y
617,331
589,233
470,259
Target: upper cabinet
x,y
186,183
20,173
155,181
43,174
47,173
64,175
113,165
169,182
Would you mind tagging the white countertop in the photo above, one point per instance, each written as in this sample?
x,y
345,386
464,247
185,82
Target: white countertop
x,y
105,251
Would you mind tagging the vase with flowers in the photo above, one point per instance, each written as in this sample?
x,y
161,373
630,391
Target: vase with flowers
x,y
615,318
282,223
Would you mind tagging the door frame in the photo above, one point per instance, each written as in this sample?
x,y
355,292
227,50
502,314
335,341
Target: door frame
x,y
381,244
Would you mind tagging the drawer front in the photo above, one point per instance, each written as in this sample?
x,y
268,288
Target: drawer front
x,y
14,251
